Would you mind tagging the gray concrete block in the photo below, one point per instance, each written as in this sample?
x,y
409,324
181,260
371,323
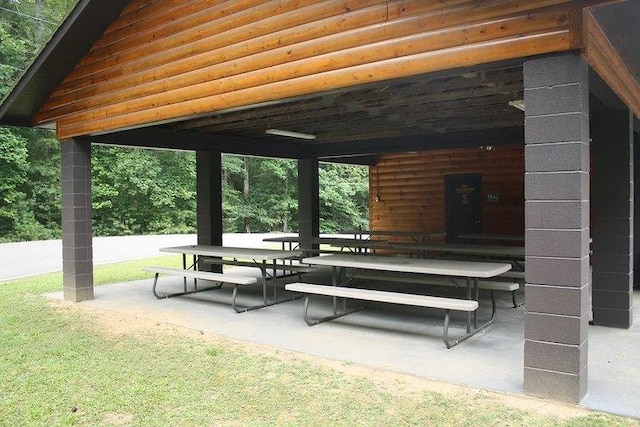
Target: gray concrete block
x,y
603,227
613,207
566,301
553,70
572,272
614,180
557,157
71,239
559,99
556,214
557,243
569,359
77,293
571,127
77,254
610,281
613,318
570,186
555,385
571,330
620,244
615,300
617,263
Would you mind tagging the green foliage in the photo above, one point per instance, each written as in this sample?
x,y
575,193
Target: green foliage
x,y
344,197
25,26
261,195
137,191
13,175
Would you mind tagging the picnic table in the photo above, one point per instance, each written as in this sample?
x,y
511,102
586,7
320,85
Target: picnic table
x,y
470,271
351,244
494,237
512,253
263,259
416,236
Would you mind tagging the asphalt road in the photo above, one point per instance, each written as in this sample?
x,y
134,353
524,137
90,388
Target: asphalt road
x,y
22,259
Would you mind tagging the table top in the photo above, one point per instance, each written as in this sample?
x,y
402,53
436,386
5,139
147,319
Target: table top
x,y
336,241
491,250
412,265
506,237
232,252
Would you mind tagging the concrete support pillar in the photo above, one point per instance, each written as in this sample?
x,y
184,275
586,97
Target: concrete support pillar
x,y
209,200
308,200
612,208
556,226
636,211
77,242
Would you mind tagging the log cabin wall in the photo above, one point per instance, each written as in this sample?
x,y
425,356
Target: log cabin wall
x,y
407,190
169,60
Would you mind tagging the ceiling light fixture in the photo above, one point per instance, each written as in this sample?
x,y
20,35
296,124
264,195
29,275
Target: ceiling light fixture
x,y
290,134
518,103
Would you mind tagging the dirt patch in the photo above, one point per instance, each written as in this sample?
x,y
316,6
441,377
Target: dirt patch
x,y
115,324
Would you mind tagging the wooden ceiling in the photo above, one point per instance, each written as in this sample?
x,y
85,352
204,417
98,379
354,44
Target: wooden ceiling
x,y
434,104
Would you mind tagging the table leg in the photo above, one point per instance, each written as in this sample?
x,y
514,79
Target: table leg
x,y
477,292
263,270
468,297
184,267
334,280
275,282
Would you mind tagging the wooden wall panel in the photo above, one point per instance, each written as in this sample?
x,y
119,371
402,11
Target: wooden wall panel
x,y
166,60
407,190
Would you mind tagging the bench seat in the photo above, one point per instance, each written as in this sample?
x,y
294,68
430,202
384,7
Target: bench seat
x,y
492,285
203,275
220,278
442,303
296,268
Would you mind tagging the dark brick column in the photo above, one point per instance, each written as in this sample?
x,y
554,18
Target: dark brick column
x,y
308,200
636,211
556,226
77,243
209,200
612,223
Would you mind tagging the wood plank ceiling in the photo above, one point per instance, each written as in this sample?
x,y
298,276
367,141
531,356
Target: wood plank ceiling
x,y
422,105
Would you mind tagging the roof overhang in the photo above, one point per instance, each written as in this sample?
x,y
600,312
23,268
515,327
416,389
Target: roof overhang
x,y
72,40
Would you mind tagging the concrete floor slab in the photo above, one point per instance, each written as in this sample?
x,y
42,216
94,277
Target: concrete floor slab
x,y
393,338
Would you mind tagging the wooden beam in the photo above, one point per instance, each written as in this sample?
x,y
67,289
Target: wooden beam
x,y
603,58
512,135
154,137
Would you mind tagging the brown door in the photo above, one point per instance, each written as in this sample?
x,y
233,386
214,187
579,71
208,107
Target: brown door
x,y
463,201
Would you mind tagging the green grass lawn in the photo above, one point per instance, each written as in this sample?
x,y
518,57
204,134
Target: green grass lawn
x,y
59,368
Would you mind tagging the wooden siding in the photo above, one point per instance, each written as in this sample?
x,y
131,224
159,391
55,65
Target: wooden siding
x,y
166,60
410,188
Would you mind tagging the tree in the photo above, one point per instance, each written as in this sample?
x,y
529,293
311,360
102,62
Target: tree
x,y
139,191
13,175
344,197
29,164
143,191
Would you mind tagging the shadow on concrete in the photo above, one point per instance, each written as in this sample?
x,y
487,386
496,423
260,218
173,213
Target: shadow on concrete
x,y
392,338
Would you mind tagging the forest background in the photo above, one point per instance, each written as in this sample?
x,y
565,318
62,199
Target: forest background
x,y
139,191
